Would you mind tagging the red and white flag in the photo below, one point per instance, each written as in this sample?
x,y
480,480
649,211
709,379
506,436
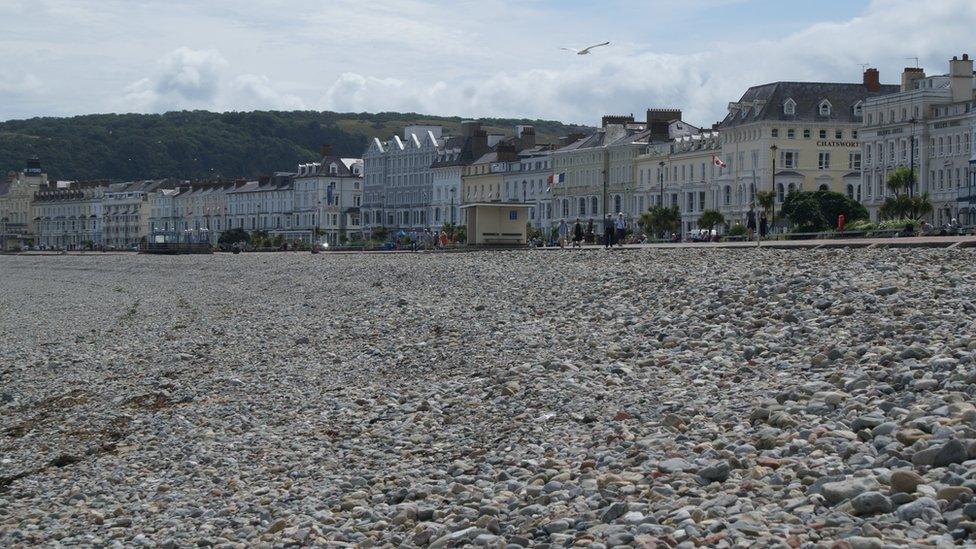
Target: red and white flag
x,y
718,162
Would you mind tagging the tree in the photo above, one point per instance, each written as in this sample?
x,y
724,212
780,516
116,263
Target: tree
x,y
803,211
710,218
899,181
234,236
659,219
818,210
767,200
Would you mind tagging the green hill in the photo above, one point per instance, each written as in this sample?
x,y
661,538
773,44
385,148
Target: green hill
x,y
201,144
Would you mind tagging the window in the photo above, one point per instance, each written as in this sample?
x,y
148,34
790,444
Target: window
x,y
775,132
854,161
853,134
839,134
582,206
616,204
823,134
824,108
780,192
789,107
858,108
593,205
850,191
791,133
728,195
806,134
789,159
823,161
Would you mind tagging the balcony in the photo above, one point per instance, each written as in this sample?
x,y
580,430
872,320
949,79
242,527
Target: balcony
x,y
966,195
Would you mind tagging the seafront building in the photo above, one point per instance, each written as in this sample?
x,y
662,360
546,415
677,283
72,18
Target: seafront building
x,y
16,195
789,136
597,175
929,125
69,216
398,180
265,205
328,199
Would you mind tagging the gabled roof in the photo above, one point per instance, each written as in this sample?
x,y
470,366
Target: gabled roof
x,y
765,102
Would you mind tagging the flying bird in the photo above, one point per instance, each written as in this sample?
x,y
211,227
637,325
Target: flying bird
x,y
586,50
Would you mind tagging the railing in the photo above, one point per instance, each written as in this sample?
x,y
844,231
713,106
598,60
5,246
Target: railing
x,y
175,248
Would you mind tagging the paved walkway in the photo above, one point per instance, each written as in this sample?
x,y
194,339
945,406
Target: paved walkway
x,y
909,242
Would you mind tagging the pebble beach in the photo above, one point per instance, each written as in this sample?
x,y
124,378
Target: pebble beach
x,y
631,398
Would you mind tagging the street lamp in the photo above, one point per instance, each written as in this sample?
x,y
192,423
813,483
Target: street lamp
x,y
453,190
660,176
911,172
772,149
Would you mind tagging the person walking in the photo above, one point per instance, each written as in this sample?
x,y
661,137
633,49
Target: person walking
x,y
608,230
840,222
763,224
620,226
589,231
577,234
751,222
562,233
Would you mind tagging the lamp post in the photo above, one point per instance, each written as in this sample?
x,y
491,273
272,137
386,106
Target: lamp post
x,y
660,176
453,190
772,149
911,171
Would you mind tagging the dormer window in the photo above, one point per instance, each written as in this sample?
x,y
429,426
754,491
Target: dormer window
x,y
859,108
333,169
789,107
824,108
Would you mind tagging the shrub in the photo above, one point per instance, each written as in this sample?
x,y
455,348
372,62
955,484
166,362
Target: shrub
x,y
738,230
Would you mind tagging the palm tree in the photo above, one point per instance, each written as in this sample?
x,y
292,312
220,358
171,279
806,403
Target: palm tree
x,y
710,218
899,181
767,199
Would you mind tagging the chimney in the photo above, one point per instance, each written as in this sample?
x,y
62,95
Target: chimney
x,y
909,76
469,128
659,122
567,140
961,78
618,120
872,80
526,135
325,150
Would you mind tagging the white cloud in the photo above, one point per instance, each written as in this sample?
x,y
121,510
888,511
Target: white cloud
x,y
192,79
472,58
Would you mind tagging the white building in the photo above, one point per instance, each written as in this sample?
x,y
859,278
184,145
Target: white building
x,y
527,181
126,212
69,216
328,199
452,156
265,205
398,179
928,126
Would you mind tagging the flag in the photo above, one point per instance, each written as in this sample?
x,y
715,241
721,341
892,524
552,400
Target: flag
x,y
718,162
555,179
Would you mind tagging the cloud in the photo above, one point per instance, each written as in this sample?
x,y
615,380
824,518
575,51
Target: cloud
x,y
190,79
627,78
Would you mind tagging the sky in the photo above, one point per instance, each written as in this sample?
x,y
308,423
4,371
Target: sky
x,y
470,58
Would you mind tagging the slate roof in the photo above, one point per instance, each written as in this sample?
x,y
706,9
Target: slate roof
x,y
5,186
765,102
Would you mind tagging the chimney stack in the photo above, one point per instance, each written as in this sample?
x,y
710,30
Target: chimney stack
x,y
961,78
909,76
872,80
325,150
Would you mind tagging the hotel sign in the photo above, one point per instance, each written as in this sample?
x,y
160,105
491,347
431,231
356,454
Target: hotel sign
x,y
848,144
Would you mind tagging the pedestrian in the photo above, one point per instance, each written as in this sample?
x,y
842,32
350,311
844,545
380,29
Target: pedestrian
x,y
444,238
840,222
620,226
562,233
608,230
577,234
763,224
589,231
751,222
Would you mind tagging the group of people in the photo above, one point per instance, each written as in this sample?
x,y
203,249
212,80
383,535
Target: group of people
x,y
614,232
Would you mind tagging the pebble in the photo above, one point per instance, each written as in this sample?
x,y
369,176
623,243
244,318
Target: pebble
x,y
438,400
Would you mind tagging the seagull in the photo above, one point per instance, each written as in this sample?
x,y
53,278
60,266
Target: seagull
x,y
586,50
